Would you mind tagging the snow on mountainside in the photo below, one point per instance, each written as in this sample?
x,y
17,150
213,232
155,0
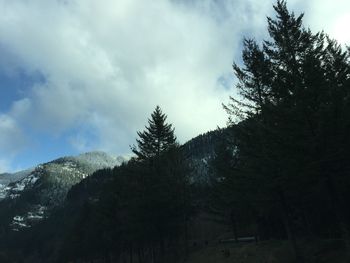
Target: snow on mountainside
x,y
7,178
33,193
99,160
200,151
29,196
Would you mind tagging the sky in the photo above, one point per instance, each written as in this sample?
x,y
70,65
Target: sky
x,y
83,75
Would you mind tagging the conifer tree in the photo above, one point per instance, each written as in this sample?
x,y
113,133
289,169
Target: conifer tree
x,y
156,139
294,105
161,207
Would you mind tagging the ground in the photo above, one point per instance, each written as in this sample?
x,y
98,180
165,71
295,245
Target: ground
x,y
320,251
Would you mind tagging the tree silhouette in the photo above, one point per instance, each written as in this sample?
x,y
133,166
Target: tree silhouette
x,y
157,138
294,108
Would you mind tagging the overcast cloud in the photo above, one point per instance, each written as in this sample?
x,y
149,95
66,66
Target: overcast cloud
x,y
105,65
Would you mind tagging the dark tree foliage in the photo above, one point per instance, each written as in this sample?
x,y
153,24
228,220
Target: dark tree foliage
x,y
292,138
142,209
161,202
136,212
157,138
280,170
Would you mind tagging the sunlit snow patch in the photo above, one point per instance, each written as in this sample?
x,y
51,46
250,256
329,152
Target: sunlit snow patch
x,y
25,221
14,191
18,223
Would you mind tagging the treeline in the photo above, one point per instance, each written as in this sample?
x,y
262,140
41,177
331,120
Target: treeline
x,y
280,170
284,171
140,211
137,212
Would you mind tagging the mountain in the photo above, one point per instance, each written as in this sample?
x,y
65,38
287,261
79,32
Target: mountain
x,y
201,150
75,199
31,195
7,178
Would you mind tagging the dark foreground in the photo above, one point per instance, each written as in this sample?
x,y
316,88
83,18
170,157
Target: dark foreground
x,y
273,251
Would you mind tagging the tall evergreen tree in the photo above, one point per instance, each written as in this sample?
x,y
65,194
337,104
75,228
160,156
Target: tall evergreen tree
x,y
157,138
294,105
161,207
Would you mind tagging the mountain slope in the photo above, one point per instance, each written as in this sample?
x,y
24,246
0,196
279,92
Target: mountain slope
x,y
7,178
31,195
201,151
78,207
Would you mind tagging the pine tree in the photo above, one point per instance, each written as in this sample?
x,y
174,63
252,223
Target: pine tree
x,y
161,206
157,138
294,105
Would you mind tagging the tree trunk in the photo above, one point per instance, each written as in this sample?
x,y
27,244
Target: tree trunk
x,y
289,227
307,223
186,238
162,249
130,253
338,211
107,257
234,224
153,254
139,255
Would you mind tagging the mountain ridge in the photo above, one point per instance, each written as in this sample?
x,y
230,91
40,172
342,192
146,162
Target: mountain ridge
x,y
30,195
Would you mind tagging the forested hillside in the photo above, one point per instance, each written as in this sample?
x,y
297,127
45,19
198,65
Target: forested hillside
x,y
277,176
289,174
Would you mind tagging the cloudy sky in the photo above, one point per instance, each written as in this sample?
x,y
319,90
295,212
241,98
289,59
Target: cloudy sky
x,y
82,75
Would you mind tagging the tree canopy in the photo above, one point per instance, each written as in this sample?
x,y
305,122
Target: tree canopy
x,y
157,138
293,113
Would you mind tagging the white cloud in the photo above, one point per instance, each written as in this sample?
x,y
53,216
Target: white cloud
x,y
12,141
4,166
109,63
116,61
11,137
331,16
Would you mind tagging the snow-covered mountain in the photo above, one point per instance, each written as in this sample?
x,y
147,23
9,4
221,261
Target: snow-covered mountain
x,y
7,178
27,197
30,195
